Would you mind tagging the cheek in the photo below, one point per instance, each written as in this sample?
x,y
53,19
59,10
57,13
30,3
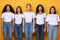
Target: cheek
x,y
52,10
18,10
40,8
8,8
28,8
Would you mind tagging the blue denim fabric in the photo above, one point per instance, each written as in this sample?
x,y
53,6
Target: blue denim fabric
x,y
28,30
7,28
18,31
39,32
52,32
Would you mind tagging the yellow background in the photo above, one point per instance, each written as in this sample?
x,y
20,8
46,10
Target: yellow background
x,y
46,3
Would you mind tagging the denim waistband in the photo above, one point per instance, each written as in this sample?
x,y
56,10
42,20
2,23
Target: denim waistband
x,y
7,23
38,24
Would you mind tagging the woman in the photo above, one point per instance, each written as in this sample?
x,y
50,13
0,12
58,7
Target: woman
x,y
52,24
18,23
28,18
40,22
7,21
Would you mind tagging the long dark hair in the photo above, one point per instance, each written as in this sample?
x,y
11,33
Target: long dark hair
x,y
54,9
20,10
37,11
11,9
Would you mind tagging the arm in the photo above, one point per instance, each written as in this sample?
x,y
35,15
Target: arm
x,y
13,25
34,24
2,24
47,26
23,21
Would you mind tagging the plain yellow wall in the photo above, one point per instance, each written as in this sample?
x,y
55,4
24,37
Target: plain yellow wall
x,y
46,3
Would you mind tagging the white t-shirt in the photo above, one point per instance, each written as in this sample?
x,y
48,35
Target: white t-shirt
x,y
40,18
52,19
8,16
28,16
18,18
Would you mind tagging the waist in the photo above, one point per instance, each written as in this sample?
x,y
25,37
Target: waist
x,y
8,23
40,25
18,22
53,23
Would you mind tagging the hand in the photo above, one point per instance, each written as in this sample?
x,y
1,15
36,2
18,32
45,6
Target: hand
x,y
12,30
33,30
2,30
47,30
23,30
44,29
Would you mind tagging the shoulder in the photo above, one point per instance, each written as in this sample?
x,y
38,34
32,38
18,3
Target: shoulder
x,y
48,15
4,13
56,15
12,13
44,13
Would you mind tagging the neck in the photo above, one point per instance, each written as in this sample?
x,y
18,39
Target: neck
x,y
40,12
8,11
28,11
52,13
18,12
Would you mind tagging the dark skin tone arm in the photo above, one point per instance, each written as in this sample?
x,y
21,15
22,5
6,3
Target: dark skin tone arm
x,y
47,26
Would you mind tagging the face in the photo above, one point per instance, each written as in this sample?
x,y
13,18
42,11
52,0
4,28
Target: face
x,y
18,9
40,8
52,10
8,8
28,7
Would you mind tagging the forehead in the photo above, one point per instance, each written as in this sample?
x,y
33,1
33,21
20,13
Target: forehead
x,y
52,8
7,6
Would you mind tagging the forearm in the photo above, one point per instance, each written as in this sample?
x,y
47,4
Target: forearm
x,y
2,23
13,24
23,21
33,23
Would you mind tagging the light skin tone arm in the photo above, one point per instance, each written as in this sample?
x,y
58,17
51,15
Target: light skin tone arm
x,y
45,25
2,24
13,25
33,24
23,24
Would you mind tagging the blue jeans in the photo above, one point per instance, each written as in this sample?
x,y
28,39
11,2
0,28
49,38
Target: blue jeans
x,y
18,31
52,32
28,30
7,27
39,32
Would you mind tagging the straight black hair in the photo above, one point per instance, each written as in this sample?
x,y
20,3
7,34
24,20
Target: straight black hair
x,y
20,9
11,8
54,9
37,11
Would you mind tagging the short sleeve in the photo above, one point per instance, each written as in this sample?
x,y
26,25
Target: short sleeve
x,y
47,19
44,15
13,15
23,15
2,15
34,16
58,19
